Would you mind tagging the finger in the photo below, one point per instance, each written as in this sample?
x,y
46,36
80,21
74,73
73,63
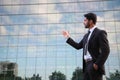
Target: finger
x,y
64,32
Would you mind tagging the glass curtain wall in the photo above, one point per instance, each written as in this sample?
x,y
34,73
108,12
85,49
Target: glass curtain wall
x,y
31,37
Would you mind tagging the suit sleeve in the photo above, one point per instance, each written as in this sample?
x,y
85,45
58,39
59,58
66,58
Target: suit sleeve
x,y
104,48
74,44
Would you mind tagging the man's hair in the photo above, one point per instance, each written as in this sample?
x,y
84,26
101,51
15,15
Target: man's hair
x,y
91,16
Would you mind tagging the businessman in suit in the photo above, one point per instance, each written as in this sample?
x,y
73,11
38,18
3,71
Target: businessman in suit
x,y
95,48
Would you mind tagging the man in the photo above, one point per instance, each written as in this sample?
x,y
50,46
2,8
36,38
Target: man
x,y
95,48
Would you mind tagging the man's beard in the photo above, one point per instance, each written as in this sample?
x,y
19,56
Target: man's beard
x,y
87,26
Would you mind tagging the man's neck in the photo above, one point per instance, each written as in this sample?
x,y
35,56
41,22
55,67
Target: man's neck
x,y
91,26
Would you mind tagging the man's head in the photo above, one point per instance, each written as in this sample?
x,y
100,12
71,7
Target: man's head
x,y
90,20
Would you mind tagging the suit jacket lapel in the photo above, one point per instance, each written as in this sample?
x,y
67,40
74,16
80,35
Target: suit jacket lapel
x,y
93,34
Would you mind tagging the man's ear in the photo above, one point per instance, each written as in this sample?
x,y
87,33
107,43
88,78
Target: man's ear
x,y
91,22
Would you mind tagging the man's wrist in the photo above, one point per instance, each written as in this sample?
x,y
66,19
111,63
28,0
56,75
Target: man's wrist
x,y
67,38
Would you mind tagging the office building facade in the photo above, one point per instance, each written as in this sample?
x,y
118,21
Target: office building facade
x,y
30,34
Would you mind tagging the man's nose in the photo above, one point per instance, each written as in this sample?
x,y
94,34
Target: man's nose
x,y
84,23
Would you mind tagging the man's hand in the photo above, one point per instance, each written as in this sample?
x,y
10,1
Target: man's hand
x,y
95,66
66,34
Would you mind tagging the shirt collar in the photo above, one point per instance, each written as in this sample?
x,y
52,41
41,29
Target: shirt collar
x,y
92,29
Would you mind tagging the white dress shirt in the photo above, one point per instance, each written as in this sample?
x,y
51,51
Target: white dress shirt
x,y
88,56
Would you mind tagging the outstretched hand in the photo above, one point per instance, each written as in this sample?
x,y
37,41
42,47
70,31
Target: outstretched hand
x,y
66,34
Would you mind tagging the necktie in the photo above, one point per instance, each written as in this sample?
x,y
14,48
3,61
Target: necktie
x,y
86,43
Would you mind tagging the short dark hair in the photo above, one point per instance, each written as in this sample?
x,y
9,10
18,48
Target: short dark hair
x,y
91,16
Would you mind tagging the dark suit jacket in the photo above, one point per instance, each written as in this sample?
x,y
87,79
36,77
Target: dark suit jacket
x,y
98,48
